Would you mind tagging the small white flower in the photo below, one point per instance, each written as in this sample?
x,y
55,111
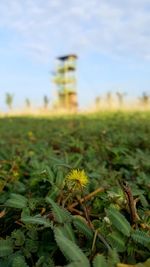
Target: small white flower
x,y
106,219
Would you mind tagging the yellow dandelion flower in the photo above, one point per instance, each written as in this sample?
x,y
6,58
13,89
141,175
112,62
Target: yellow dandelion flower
x,y
76,179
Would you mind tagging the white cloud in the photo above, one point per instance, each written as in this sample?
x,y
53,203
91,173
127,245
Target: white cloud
x,y
47,28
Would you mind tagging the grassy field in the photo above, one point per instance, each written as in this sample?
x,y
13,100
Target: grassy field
x,y
75,190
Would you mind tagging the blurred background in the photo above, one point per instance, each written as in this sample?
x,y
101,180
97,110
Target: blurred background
x,y
74,55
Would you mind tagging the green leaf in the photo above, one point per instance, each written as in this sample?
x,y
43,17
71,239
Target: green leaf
x,y
19,261
19,237
59,179
39,220
61,215
113,257
6,247
16,201
100,261
70,250
32,234
119,221
78,162
54,192
73,264
25,212
144,201
31,245
141,238
68,231
81,225
117,241
45,261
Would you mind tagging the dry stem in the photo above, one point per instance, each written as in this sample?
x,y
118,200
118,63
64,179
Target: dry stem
x,y
87,197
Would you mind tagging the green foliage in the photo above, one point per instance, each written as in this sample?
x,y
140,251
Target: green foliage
x,y
141,238
4,263
54,193
6,247
59,179
113,257
33,234
70,250
31,245
144,201
119,221
16,201
42,223
117,241
73,264
44,261
81,225
19,237
68,232
19,261
38,220
61,215
100,261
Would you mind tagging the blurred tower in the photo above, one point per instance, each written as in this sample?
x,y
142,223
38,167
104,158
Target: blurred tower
x,y
65,80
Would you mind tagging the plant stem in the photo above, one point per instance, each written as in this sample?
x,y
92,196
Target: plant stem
x,y
89,221
87,197
131,202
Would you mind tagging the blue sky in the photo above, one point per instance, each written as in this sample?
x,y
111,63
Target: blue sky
x,y
111,38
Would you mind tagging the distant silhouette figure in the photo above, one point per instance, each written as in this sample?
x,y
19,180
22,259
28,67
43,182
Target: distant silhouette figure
x,y
27,102
46,102
97,102
9,100
120,97
109,99
144,99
